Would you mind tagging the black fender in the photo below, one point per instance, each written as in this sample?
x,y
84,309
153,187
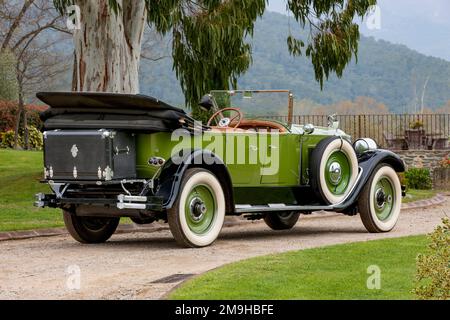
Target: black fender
x,y
367,163
169,180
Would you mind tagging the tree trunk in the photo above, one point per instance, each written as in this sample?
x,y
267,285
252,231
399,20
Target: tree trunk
x,y
108,46
16,129
20,113
21,110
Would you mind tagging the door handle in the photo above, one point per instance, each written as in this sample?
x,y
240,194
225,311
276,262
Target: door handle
x,y
253,148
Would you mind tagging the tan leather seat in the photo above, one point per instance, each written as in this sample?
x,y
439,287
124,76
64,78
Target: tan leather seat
x,y
252,125
257,124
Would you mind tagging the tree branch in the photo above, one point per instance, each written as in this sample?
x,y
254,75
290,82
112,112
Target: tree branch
x,y
16,23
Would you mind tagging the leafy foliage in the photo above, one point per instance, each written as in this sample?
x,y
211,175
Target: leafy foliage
x,y
8,115
209,48
445,163
209,45
418,178
35,139
433,268
8,79
7,139
334,34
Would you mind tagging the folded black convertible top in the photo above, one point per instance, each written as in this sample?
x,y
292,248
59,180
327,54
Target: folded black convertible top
x,y
102,100
95,110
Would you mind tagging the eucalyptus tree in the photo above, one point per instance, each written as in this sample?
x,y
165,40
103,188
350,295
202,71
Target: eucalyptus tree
x,y
209,45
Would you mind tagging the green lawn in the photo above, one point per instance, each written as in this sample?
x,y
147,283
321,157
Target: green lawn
x,y
335,272
415,195
20,172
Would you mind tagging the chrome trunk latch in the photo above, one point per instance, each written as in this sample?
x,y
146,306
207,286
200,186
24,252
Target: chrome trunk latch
x,y
74,151
108,173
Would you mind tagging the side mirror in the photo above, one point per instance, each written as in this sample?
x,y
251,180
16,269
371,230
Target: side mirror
x,y
206,102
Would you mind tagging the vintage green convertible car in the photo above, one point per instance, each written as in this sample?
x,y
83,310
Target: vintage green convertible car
x,y
108,156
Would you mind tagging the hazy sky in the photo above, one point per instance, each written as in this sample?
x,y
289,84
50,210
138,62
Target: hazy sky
x,y
423,25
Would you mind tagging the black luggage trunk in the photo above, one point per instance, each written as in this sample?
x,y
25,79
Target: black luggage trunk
x,y
80,155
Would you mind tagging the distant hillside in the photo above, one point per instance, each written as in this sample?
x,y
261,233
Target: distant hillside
x,y
391,74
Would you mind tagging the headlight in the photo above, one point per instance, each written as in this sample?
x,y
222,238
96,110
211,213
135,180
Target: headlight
x,y
364,145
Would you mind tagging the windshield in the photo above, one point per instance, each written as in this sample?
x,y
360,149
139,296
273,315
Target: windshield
x,y
255,103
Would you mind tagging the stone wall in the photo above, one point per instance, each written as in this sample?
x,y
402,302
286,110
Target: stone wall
x,y
422,158
428,159
441,178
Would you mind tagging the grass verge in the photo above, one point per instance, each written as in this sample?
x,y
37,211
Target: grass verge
x,y
20,172
335,272
416,195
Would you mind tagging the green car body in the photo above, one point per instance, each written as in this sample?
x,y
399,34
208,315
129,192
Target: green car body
x,y
295,145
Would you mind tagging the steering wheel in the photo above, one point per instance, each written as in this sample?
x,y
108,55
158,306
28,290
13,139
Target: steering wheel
x,y
224,122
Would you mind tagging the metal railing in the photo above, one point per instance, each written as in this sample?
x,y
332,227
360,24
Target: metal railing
x,y
390,131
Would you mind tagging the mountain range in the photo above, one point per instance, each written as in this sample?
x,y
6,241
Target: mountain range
x,y
392,74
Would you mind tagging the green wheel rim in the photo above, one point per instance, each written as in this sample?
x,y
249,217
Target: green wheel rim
x,y
200,208
338,186
384,198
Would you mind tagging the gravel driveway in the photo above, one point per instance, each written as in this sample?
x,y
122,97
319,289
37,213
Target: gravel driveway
x,y
131,266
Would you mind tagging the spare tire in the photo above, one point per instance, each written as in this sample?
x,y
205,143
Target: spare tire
x,y
333,169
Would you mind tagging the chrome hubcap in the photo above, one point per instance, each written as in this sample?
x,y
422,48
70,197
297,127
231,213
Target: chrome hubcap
x,y
198,209
335,173
381,198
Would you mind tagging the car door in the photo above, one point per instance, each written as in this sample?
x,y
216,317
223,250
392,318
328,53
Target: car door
x,y
281,162
243,158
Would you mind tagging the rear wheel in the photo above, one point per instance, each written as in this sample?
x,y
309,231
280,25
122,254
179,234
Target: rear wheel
x,y
198,213
333,169
281,220
380,202
90,229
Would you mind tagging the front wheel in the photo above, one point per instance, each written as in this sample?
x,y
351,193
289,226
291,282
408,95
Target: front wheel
x,y
281,220
380,201
90,229
198,213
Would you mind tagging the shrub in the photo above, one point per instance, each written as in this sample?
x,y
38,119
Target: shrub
x,y
33,112
433,269
9,111
8,115
35,138
402,178
445,163
418,178
416,124
7,139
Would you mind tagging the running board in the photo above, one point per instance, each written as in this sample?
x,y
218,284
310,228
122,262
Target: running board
x,y
244,208
272,207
